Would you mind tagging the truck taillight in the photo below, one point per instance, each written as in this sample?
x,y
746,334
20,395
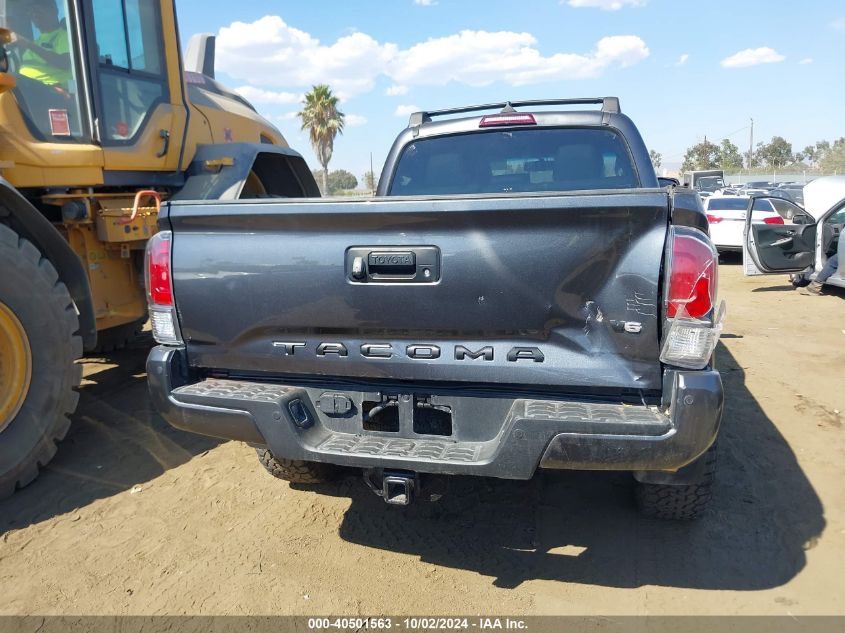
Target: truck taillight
x,y
692,282
713,219
165,325
158,270
693,274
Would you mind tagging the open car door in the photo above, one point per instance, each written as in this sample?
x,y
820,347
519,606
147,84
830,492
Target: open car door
x,y
787,247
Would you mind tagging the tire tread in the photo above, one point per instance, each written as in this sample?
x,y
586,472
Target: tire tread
x,y
28,256
295,471
678,503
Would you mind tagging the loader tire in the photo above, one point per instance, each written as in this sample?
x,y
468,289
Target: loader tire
x,y
118,337
679,503
294,470
39,342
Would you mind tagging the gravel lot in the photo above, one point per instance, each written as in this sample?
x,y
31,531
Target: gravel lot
x,y
133,517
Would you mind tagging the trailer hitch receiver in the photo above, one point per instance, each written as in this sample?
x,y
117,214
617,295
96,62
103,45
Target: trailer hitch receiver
x,y
396,487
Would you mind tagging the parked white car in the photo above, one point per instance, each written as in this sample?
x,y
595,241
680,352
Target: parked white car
x,y
726,216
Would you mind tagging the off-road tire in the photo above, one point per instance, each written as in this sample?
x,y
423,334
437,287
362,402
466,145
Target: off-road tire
x,y
294,470
118,337
679,503
30,287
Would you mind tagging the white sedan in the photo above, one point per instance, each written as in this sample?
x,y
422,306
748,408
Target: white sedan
x,y
726,216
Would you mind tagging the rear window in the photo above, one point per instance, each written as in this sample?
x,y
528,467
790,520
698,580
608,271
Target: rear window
x,y
710,183
736,204
727,204
506,161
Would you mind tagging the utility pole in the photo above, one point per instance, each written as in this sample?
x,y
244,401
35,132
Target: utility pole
x,y
372,177
751,144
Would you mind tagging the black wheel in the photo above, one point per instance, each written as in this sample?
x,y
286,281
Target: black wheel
x,y
38,346
294,470
679,503
118,337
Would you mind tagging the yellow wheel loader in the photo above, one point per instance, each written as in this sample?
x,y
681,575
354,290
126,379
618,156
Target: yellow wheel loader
x,y
101,120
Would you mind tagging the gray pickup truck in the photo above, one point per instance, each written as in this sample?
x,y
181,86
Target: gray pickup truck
x,y
521,294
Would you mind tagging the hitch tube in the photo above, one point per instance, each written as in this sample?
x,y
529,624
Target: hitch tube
x,y
396,487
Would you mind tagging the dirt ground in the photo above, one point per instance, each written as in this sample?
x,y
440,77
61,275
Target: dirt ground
x,y
134,517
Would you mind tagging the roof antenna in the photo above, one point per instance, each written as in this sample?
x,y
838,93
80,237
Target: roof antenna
x,y
508,108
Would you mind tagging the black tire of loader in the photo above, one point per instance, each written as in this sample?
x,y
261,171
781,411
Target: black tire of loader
x,y
679,503
296,471
30,287
118,337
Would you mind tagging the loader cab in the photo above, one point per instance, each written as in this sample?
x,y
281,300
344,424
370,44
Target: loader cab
x,y
41,55
102,72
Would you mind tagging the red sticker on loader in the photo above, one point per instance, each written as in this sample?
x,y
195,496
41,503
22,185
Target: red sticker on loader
x,y
59,123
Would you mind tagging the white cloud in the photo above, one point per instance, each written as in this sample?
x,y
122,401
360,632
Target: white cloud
x,y
604,5
480,58
406,110
682,60
286,116
806,60
838,24
354,120
425,3
753,57
396,91
258,95
270,53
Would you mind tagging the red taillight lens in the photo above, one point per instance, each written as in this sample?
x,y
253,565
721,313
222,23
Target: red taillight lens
x,y
713,219
507,119
693,274
775,219
159,286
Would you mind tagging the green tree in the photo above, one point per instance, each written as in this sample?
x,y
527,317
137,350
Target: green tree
x,y
340,180
833,158
321,117
776,153
656,159
729,156
370,180
811,154
704,155
821,150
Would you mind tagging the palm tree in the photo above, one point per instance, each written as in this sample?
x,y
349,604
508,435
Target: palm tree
x,y
323,121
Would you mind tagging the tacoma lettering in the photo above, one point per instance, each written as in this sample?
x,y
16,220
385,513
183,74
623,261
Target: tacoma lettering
x,y
462,352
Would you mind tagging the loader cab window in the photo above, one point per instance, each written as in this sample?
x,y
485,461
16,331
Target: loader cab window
x,y
43,56
130,63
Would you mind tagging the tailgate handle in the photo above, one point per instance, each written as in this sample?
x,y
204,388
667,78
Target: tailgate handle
x,y
401,264
392,263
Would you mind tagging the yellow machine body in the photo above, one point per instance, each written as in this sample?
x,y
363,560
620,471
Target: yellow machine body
x,y
123,116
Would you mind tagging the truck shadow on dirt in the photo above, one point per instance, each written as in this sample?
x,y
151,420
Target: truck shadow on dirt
x,y
583,527
116,440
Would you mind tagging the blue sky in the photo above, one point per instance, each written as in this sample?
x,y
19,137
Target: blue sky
x,y
682,69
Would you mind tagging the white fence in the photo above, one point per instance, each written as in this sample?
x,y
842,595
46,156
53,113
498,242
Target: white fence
x,y
741,177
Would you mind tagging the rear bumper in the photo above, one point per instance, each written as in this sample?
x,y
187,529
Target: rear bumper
x,y
491,436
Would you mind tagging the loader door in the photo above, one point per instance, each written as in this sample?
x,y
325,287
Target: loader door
x,y
781,247
140,112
